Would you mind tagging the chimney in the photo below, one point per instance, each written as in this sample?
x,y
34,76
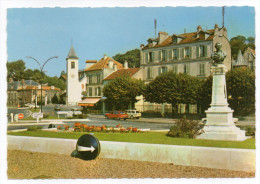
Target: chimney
x,y
162,36
11,80
199,28
105,56
89,63
110,64
125,64
115,67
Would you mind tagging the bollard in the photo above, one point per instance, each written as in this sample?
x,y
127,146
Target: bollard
x,y
12,117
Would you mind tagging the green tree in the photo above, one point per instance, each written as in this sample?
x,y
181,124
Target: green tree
x,y
132,56
241,90
173,88
55,99
241,43
122,91
15,70
55,81
204,95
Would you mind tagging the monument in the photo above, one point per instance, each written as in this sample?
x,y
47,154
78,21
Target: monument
x,y
220,124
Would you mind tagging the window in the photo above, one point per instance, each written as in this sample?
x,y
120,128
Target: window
x,y
98,78
146,57
174,39
175,68
187,52
163,55
160,55
181,50
175,54
186,68
90,79
151,57
72,65
202,51
89,91
202,69
149,73
162,70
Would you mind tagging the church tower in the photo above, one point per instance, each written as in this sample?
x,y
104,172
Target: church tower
x,y
73,85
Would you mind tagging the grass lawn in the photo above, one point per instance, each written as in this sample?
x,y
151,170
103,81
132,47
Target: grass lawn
x,y
150,137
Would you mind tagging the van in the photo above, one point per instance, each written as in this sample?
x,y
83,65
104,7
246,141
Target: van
x,y
133,114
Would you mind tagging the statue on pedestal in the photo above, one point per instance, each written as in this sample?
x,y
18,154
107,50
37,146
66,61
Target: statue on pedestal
x,y
218,56
219,117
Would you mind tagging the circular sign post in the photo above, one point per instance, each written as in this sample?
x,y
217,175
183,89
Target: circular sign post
x,y
20,116
88,147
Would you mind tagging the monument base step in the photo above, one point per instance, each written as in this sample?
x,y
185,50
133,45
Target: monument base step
x,y
225,136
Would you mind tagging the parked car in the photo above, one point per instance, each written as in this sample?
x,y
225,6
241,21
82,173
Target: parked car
x,y
117,115
57,108
133,114
31,105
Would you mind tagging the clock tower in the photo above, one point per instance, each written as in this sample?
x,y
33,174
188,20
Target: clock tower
x,y
73,85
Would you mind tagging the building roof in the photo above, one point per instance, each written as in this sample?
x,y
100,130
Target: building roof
x,y
36,87
91,61
63,77
186,38
72,54
129,71
103,63
16,84
240,60
250,51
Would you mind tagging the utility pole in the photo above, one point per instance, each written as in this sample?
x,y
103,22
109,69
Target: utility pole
x,y
155,24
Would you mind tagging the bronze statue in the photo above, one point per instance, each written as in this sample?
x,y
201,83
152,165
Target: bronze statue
x,y
218,56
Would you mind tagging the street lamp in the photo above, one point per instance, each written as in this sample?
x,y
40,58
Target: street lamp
x,y
41,69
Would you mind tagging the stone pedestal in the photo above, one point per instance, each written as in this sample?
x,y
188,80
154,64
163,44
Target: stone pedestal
x,y
220,122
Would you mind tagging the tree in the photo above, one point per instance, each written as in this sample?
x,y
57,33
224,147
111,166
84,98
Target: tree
x,y
132,56
241,90
55,99
205,95
241,43
62,73
15,70
173,88
55,81
122,91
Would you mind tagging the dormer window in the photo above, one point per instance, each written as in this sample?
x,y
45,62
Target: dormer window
x,y
174,39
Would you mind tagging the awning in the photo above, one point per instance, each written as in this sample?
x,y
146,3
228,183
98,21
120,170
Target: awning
x,y
88,102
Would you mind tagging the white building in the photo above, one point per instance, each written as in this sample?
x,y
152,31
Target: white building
x,y
73,85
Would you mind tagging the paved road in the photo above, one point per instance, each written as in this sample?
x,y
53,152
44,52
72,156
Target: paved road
x,y
99,122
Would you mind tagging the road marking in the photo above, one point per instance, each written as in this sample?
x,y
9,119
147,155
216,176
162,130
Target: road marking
x,y
82,148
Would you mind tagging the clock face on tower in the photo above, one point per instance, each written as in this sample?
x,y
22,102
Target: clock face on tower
x,y
72,76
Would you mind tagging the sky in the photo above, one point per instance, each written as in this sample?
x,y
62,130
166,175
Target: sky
x,y
45,32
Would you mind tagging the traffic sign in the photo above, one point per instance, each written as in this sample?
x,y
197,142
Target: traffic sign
x,y
88,147
20,116
37,115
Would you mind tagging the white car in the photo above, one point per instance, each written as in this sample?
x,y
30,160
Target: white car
x,y
133,114
30,105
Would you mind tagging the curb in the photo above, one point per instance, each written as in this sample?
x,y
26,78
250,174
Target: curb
x,y
218,158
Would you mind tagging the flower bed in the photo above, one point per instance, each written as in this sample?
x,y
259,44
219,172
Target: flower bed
x,y
77,127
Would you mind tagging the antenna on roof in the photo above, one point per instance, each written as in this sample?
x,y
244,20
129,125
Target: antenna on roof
x,y
223,14
184,30
155,24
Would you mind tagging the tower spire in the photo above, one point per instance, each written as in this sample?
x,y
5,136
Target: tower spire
x,y
155,24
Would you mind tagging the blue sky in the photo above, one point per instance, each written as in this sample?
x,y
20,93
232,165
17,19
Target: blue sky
x,y
46,32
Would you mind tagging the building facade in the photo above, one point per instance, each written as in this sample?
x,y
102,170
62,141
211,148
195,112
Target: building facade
x,y
245,60
187,53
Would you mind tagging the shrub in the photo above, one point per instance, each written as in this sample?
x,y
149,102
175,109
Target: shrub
x,y
34,128
185,128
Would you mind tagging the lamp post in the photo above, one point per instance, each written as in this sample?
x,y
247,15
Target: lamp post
x,y
41,69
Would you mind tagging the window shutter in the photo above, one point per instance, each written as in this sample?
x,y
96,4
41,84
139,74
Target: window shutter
x,y
198,52
178,53
146,57
159,55
205,51
153,56
182,53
